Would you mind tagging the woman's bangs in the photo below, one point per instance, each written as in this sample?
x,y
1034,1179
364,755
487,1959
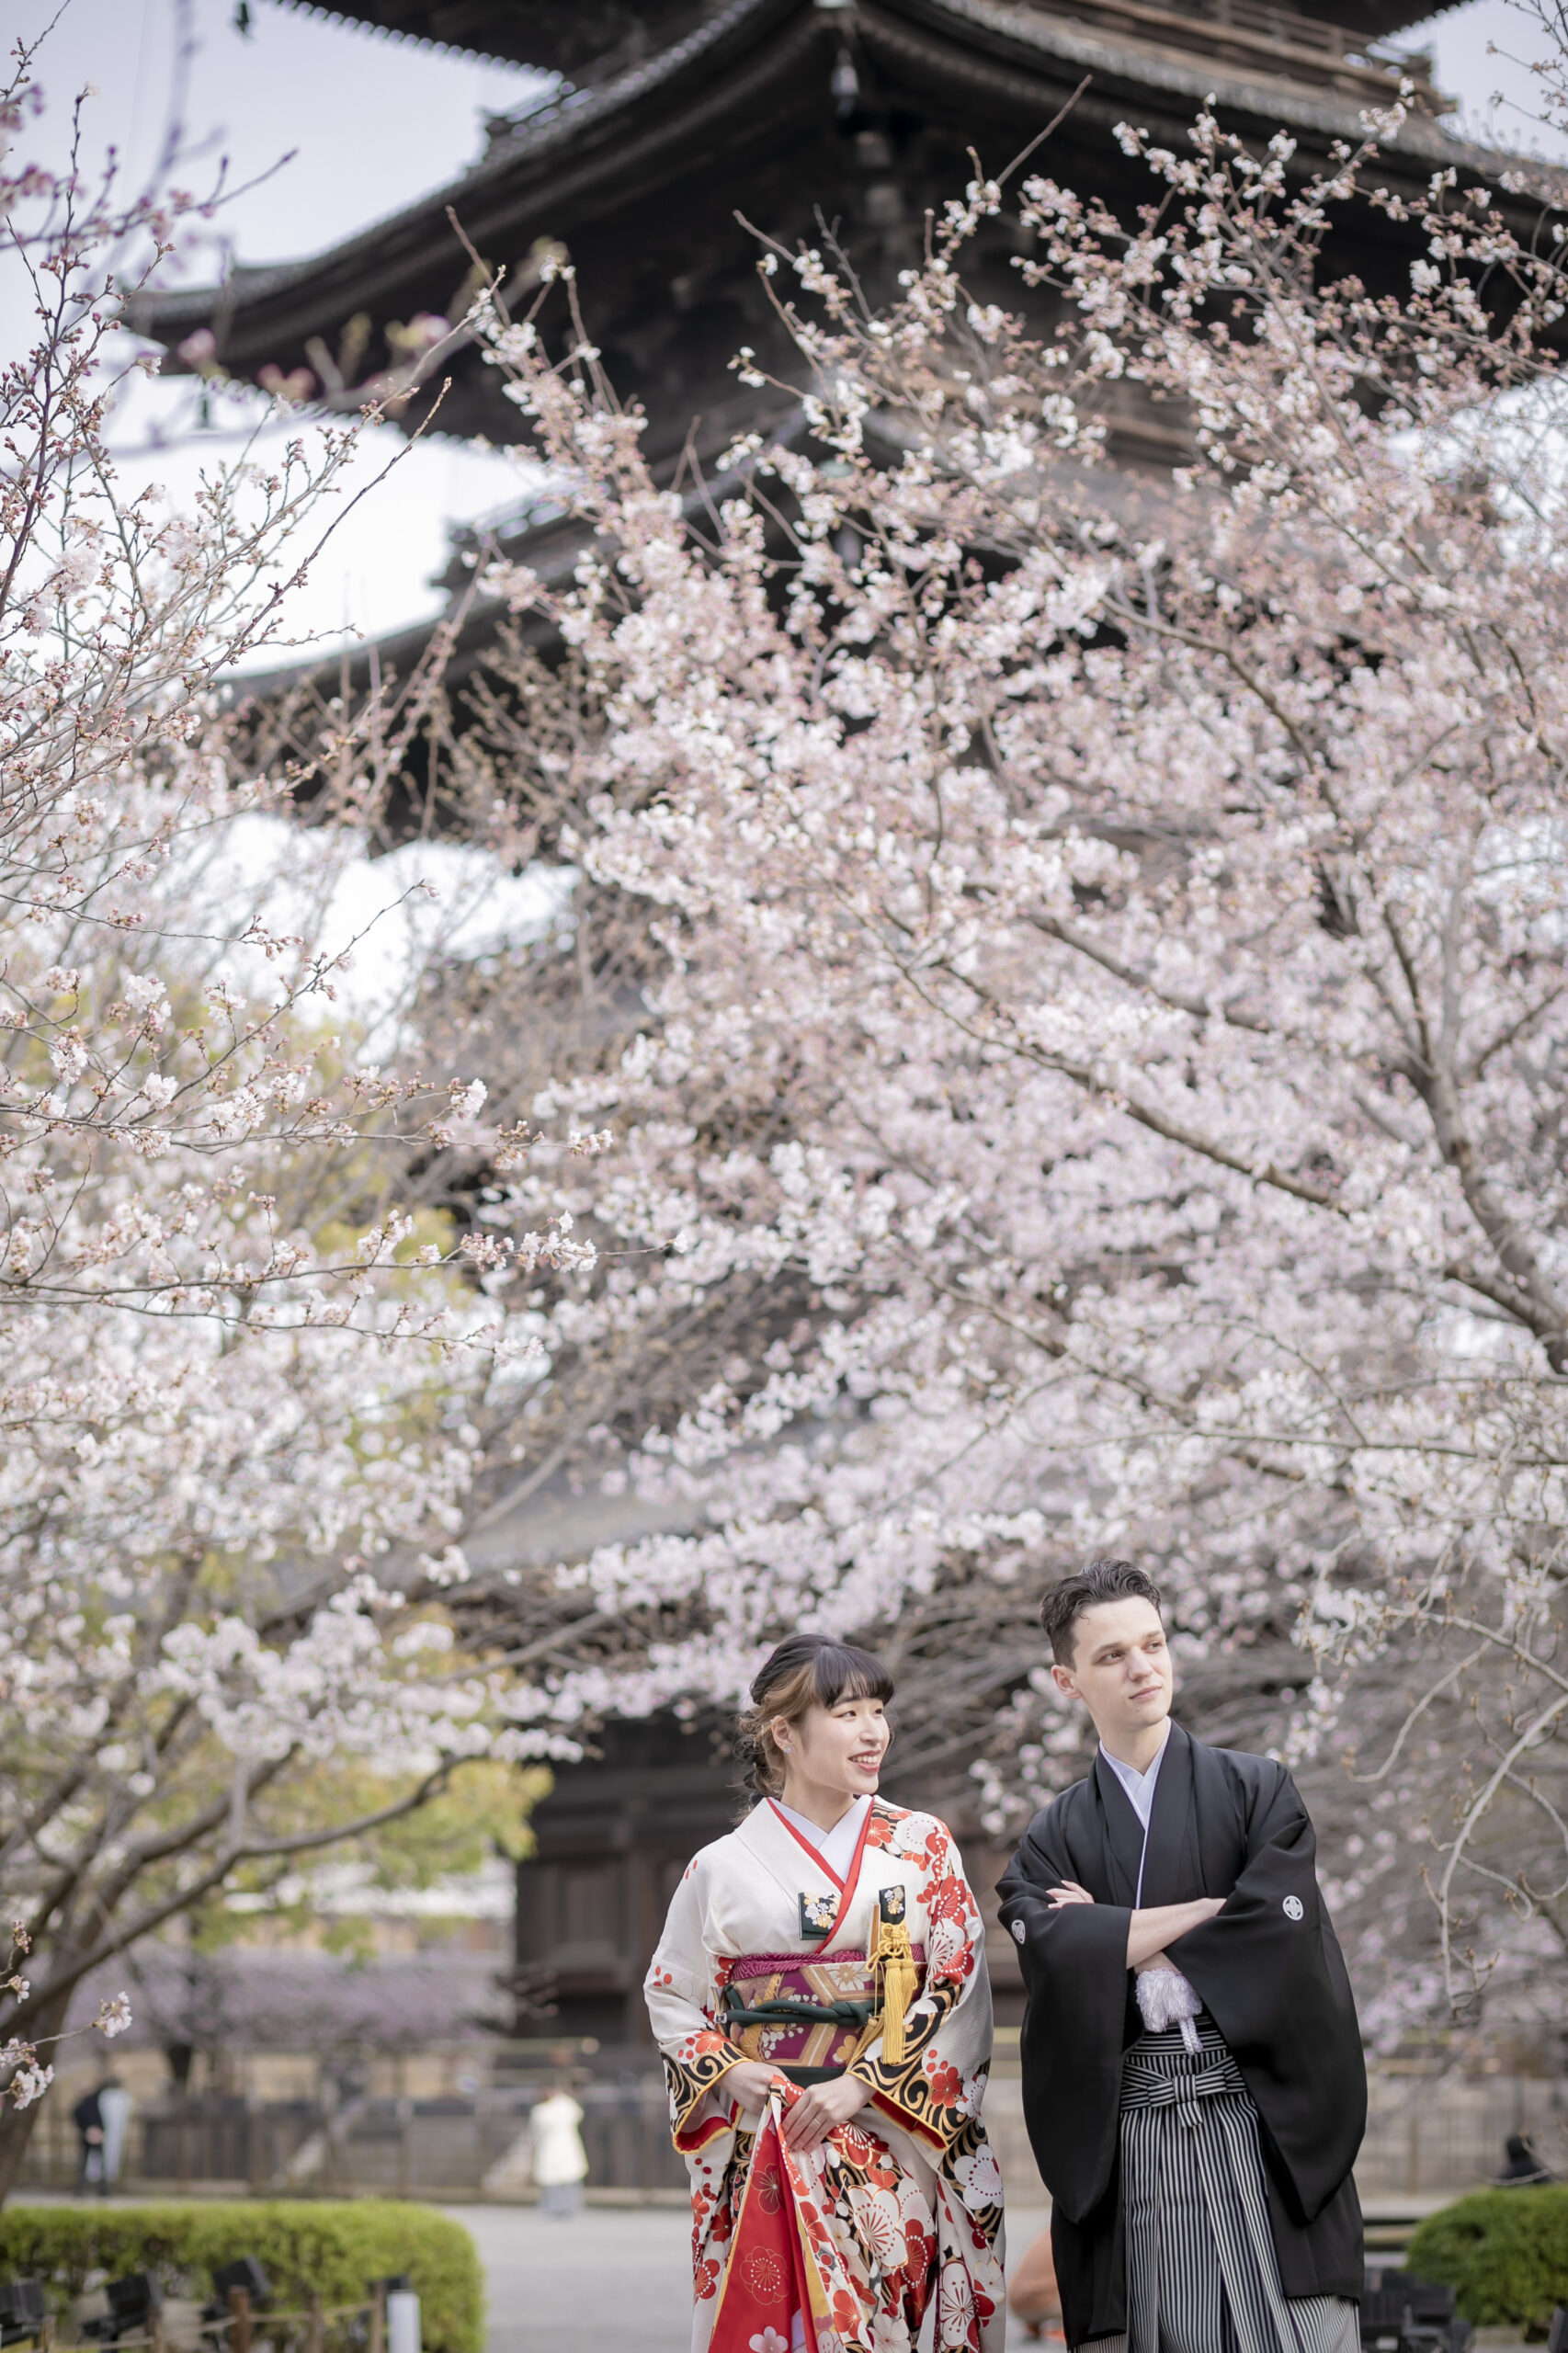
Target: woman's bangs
x,y
844,1673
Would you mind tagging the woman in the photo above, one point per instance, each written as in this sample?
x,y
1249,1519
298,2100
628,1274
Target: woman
x,y
821,1999
560,2160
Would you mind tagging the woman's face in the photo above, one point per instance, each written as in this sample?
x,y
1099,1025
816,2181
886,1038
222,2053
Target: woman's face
x,y
839,1749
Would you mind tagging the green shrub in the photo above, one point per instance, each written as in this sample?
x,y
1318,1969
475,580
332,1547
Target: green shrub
x,y
333,2248
1505,2253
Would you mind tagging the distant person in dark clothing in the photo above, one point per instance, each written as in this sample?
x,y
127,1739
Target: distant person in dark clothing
x,y
88,2119
102,2119
1524,2166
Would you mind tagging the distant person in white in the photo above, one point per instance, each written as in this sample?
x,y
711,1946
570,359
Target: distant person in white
x,y
114,2106
560,2160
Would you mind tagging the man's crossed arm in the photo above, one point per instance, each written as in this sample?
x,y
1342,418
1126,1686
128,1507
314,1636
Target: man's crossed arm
x,y
1149,1931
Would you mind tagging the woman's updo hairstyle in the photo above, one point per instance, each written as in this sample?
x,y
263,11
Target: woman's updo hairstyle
x,y
805,1671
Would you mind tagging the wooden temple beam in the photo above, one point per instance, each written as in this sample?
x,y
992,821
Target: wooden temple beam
x,y
672,149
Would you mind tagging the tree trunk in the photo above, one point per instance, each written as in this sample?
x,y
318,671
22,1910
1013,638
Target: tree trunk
x,y
36,2024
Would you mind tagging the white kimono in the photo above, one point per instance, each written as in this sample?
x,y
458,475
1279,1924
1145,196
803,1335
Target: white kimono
x,y
892,2231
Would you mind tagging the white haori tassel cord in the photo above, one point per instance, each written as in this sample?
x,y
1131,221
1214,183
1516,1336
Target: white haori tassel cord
x,y
1167,1999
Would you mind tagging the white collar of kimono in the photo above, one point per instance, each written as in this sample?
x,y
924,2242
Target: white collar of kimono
x,y
836,1846
1140,1786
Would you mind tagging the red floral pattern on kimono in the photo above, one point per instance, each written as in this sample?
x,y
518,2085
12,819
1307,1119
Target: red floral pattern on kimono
x,y
903,2206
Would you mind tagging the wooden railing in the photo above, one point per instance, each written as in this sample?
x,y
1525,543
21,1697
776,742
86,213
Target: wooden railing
x,y
308,2325
239,2326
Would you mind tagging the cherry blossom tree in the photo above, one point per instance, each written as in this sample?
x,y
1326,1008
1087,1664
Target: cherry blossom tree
x,y
1079,962
238,1366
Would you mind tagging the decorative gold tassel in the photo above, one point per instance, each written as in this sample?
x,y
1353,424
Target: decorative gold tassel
x,y
891,1959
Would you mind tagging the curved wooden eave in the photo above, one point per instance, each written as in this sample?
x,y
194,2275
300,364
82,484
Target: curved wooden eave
x,y
558,36
1162,88
590,152
500,30
750,77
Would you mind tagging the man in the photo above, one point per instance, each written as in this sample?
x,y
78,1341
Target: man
x,y
102,2119
1194,2085
88,2119
1524,2168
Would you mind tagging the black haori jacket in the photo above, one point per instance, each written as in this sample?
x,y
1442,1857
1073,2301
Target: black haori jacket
x,y
1267,1969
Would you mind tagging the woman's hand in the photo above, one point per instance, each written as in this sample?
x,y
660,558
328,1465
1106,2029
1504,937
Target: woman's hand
x,y
814,2114
1068,1893
749,2081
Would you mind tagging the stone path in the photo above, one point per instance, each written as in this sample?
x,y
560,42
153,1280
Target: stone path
x,y
615,2278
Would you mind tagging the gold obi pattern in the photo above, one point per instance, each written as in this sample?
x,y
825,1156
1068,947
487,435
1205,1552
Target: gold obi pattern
x,y
808,2014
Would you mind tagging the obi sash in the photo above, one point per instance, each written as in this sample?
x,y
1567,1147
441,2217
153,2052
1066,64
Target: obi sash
x,y
806,2014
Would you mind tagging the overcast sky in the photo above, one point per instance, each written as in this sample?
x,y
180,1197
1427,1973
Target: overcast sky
x,y
374,123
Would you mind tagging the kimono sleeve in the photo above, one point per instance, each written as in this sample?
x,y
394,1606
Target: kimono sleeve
x,y
678,1990
935,2089
1073,1958
1270,1973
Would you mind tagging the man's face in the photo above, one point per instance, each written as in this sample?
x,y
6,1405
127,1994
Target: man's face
x,y
1121,1668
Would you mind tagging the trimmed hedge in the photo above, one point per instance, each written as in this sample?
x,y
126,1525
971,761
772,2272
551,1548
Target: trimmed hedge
x,y
333,2248
1504,2252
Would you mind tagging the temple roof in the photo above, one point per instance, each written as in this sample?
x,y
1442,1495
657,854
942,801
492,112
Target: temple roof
x,y
562,35
566,36
786,112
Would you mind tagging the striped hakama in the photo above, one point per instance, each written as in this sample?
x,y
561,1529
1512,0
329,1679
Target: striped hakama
x,y
1201,2271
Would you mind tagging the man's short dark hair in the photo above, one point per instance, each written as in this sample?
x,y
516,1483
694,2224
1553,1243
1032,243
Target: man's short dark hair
x,y
1099,1582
